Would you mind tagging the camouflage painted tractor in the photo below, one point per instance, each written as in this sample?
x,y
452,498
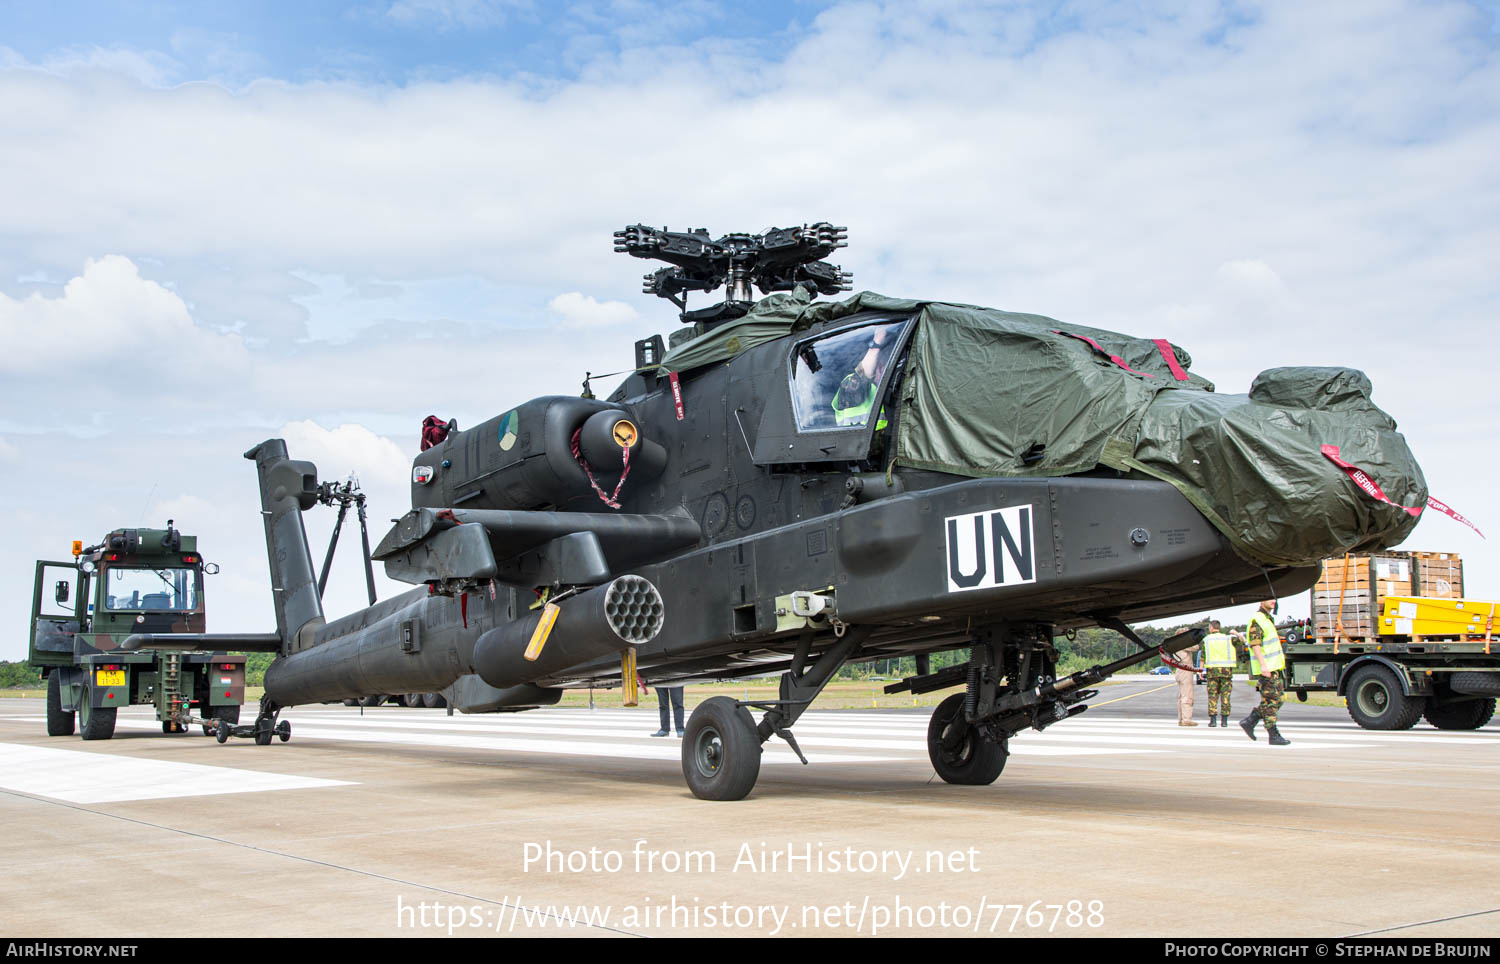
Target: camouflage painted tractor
x,y
134,581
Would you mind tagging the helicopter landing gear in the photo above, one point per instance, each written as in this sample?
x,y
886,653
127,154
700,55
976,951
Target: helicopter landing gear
x,y
720,750
961,752
722,745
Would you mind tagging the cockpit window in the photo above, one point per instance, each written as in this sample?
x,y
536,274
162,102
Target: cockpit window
x,y
151,589
835,379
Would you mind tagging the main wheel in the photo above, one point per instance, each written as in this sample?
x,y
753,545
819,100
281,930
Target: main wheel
x,y
1377,703
958,751
95,722
59,721
413,700
1468,715
720,750
263,733
372,700
434,701
224,714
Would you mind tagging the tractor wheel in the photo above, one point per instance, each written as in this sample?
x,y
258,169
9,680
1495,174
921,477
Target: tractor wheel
x,y
958,751
1468,715
720,750
59,721
95,722
1377,703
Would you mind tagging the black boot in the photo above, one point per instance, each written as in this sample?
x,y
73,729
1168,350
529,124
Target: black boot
x,y
1213,720
1276,738
1224,720
1248,723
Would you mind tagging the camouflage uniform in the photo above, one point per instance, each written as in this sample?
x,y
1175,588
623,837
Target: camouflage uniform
x,y
1220,682
1273,690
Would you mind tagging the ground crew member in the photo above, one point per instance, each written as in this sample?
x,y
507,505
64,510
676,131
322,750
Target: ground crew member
x,y
855,396
1186,680
1218,663
1266,664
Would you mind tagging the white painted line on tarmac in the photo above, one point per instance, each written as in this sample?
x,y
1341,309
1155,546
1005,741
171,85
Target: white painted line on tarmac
x,y
82,777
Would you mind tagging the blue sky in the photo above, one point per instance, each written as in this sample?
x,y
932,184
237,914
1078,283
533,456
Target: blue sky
x,y
389,42
226,222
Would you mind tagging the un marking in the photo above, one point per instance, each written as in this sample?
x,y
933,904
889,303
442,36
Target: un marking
x,y
989,549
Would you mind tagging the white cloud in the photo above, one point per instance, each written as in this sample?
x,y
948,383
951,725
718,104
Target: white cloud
x,y
583,311
111,318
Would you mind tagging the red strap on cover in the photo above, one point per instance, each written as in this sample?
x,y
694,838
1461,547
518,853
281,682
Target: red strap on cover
x,y
1445,510
1368,486
1170,357
613,501
1100,349
676,394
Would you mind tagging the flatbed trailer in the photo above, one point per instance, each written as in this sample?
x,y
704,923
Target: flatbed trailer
x,y
1432,658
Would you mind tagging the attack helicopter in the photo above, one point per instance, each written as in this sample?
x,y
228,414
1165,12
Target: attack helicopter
x,y
792,485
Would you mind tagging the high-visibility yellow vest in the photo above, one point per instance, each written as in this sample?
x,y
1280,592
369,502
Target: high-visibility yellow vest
x,y
857,411
1218,651
1270,644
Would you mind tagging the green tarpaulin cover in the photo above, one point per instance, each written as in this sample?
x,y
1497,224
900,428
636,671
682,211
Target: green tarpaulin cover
x,y
996,393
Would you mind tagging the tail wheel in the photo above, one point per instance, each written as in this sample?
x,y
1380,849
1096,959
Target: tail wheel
x,y
59,721
1468,715
720,750
95,722
959,752
1376,701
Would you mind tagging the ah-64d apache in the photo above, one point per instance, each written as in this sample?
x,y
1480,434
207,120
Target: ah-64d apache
x,y
798,484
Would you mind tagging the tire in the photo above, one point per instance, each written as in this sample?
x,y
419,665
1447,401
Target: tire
x,y
413,700
96,723
1377,703
958,752
263,733
1468,715
1476,684
372,701
225,714
60,722
433,701
720,750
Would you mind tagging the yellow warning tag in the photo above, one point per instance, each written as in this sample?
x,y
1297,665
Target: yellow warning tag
x,y
628,690
542,631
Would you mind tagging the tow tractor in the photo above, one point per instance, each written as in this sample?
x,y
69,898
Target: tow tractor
x,y
133,581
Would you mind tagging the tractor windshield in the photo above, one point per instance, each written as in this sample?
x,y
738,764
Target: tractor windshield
x,y
170,589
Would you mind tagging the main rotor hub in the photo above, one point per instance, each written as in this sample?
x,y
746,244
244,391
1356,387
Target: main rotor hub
x,y
778,259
